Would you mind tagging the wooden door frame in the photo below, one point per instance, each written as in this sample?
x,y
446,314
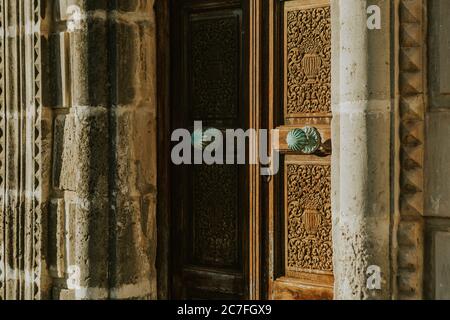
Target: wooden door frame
x,y
256,102
162,11
256,21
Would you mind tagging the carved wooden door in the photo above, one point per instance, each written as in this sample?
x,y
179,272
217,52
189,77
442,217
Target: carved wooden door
x,y
210,203
300,243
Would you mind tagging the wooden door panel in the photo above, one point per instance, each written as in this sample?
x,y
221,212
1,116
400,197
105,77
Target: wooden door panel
x,y
213,284
210,205
307,60
215,217
307,223
302,253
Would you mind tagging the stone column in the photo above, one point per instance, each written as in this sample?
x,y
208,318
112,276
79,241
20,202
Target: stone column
x,y
134,140
361,91
88,27
77,149
108,167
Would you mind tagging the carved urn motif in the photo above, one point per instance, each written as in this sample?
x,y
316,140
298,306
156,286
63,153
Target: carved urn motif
x,y
311,64
311,220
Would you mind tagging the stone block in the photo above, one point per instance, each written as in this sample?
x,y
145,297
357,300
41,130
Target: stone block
x,y
57,237
64,153
437,200
90,69
442,265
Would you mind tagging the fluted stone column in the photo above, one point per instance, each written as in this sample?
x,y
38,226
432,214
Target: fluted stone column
x,y
25,150
361,91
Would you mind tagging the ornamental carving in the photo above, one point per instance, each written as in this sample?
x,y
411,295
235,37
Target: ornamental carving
x,y
215,215
308,230
308,62
215,67
22,169
412,84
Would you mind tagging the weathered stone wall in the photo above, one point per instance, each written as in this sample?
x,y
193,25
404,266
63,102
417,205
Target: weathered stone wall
x,y
108,158
78,185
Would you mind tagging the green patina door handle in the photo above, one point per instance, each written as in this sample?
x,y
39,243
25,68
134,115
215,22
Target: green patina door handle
x,y
306,140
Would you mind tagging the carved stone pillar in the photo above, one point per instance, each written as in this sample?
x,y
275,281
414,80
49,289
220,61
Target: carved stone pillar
x,y
361,91
24,151
77,149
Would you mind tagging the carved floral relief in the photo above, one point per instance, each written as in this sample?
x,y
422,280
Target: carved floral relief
x,y
308,230
308,62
